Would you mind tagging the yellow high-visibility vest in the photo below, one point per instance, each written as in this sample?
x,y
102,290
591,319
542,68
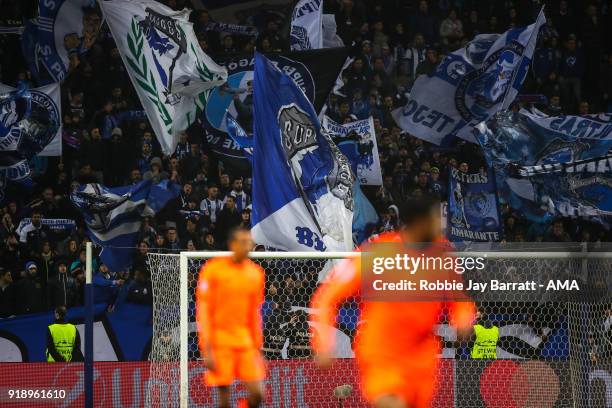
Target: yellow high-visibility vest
x,y
64,336
485,345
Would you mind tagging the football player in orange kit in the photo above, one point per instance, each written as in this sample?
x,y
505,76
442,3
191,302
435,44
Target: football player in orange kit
x,y
228,303
396,348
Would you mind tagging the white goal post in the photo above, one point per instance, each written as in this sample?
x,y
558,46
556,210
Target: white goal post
x,y
580,366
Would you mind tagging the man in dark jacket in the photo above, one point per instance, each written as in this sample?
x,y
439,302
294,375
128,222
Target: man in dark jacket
x,y
11,254
29,291
37,235
62,288
140,290
227,219
7,293
571,71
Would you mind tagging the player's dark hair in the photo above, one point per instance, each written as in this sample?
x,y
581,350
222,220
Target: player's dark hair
x,y
231,236
416,209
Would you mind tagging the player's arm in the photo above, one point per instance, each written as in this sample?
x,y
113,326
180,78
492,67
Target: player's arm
x,y
462,313
204,308
255,320
462,318
343,281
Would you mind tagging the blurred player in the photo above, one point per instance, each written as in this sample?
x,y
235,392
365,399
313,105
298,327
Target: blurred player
x,y
228,300
396,348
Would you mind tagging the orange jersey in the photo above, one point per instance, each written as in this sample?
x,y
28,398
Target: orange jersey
x,y
228,304
396,338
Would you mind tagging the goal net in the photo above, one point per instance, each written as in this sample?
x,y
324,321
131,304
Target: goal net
x,y
553,350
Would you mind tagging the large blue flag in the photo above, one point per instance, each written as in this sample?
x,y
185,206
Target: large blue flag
x,y
551,166
473,209
302,184
365,217
470,85
113,215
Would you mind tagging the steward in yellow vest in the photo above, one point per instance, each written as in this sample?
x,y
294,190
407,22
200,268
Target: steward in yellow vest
x,y
63,340
485,341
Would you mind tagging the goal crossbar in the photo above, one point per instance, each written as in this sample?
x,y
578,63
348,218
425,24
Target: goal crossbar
x,y
340,255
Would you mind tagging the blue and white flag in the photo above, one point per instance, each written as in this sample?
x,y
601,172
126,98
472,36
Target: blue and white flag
x,y
44,106
551,166
114,215
357,141
302,183
62,28
30,125
172,76
473,208
365,217
469,86
307,25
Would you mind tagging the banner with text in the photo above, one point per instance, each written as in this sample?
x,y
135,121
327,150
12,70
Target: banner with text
x,y
357,140
473,208
551,166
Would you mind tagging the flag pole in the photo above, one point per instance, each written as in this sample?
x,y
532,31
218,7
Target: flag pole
x,y
88,327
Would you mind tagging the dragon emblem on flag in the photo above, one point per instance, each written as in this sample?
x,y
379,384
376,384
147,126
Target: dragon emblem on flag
x,y
164,36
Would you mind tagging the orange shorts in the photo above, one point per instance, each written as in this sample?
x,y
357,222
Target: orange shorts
x,y
235,364
414,386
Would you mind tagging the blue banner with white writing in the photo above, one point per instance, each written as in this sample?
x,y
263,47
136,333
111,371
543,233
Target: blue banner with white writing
x,y
56,224
551,166
473,208
469,85
237,29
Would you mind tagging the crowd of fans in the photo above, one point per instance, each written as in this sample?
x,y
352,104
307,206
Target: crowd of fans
x,y
107,139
